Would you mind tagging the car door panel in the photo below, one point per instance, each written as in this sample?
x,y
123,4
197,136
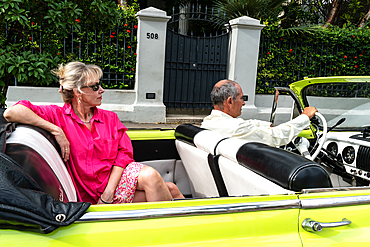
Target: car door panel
x,y
353,205
231,221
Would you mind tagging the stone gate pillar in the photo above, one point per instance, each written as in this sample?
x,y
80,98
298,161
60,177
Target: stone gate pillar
x,y
150,62
243,59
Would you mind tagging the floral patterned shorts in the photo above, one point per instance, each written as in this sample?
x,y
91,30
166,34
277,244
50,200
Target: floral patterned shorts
x,y
127,185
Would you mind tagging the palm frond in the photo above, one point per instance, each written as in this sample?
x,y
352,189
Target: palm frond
x,y
299,30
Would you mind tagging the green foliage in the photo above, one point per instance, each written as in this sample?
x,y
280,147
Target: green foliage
x,y
33,35
333,51
253,8
113,50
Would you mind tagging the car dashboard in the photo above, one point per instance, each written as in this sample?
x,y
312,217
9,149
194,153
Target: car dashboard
x,y
352,149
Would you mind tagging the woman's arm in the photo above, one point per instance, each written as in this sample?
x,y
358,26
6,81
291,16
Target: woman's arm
x,y
22,114
110,189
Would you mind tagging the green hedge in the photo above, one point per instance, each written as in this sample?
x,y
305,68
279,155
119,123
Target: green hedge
x,y
114,51
285,58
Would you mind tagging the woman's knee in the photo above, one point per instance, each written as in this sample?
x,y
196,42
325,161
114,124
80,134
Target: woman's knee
x,y
150,175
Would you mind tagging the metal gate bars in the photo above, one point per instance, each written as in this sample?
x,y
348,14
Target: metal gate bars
x,y
196,57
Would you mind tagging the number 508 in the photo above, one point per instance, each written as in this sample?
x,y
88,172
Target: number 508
x,y
152,35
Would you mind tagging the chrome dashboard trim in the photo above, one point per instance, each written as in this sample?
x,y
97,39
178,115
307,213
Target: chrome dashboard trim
x,y
335,202
187,211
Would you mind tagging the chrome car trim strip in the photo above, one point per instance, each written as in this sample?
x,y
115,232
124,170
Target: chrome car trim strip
x,y
185,211
334,202
308,191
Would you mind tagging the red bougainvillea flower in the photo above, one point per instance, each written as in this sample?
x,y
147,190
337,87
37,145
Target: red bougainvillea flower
x,y
360,55
111,36
332,68
135,54
353,36
129,31
32,23
129,47
356,66
290,51
268,53
30,38
132,69
125,24
77,20
345,56
355,56
281,38
114,33
135,26
58,53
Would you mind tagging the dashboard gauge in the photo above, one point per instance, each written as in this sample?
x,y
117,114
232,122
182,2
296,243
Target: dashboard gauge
x,y
349,154
332,148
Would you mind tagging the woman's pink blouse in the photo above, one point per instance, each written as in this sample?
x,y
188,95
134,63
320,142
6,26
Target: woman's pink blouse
x,y
93,153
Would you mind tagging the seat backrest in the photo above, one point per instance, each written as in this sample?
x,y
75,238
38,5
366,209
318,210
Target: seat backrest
x,y
240,181
195,160
246,168
286,169
39,157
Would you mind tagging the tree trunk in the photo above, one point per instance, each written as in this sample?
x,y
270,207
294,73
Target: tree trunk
x,y
365,19
333,12
122,3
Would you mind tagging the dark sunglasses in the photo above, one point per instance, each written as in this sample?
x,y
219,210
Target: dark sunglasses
x,y
95,87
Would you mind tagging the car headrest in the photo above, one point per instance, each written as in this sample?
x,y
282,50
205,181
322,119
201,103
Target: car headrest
x,y
203,139
186,132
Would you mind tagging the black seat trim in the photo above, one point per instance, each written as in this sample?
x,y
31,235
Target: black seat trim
x,y
217,176
287,169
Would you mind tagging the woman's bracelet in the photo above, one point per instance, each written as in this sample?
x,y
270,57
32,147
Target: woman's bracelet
x,y
105,201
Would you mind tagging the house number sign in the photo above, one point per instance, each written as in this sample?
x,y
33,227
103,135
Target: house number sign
x,y
152,35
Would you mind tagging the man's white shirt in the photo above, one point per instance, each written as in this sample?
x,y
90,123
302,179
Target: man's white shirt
x,y
255,130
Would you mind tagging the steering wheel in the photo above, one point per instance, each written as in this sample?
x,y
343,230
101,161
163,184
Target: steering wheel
x,y
302,143
321,135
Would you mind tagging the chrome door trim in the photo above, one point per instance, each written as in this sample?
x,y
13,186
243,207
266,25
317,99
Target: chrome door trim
x,y
185,211
334,202
319,190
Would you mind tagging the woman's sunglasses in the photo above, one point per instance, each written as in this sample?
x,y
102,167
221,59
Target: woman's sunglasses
x,y
94,87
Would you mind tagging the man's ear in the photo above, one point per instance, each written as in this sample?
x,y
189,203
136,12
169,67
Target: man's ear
x,y
229,100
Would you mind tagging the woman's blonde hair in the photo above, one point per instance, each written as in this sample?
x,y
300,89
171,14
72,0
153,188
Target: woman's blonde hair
x,y
75,75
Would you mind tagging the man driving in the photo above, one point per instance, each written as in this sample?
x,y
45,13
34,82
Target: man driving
x,y
227,99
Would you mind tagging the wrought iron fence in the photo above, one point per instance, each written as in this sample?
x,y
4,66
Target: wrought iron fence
x,y
114,51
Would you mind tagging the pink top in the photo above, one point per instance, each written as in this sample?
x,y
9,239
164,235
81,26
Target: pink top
x,y
93,154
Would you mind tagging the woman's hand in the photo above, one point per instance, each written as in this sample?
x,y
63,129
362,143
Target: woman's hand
x,y
105,198
63,142
108,195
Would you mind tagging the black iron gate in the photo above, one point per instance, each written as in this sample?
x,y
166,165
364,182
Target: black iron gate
x,y
196,59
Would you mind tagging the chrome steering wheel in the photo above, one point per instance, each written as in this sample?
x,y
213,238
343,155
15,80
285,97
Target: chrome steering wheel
x,y
302,143
321,135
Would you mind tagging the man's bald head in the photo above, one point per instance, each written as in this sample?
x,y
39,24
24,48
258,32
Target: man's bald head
x,y
222,90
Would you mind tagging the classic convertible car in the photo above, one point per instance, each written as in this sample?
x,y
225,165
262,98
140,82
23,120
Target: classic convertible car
x,y
312,192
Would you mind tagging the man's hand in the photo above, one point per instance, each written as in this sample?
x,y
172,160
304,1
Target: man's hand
x,y
310,111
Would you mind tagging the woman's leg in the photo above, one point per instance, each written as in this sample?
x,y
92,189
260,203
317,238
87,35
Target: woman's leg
x,y
152,185
174,190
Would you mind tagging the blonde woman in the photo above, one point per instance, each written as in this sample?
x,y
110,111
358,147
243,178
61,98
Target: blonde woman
x,y
94,144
